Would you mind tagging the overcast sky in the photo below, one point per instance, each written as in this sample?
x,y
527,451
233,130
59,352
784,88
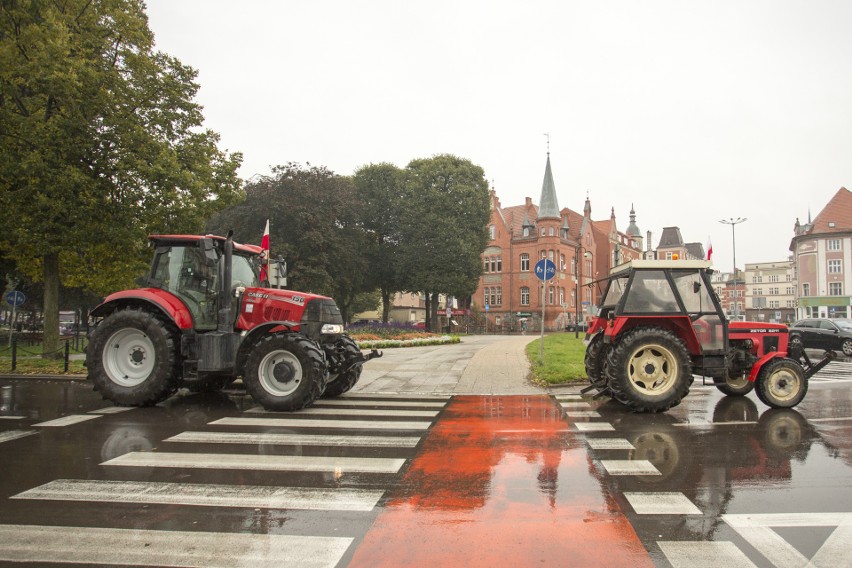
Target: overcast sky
x,y
692,111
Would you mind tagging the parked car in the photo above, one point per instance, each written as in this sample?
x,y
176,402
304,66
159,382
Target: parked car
x,y
823,333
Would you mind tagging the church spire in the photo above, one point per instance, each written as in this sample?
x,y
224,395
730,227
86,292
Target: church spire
x,y
548,208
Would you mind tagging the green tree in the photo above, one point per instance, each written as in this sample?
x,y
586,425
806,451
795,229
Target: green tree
x,y
446,212
380,189
313,223
100,144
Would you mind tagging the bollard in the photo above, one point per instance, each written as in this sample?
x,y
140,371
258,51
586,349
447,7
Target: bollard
x,y
67,354
14,353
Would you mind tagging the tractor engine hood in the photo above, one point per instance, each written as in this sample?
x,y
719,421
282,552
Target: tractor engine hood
x,y
313,314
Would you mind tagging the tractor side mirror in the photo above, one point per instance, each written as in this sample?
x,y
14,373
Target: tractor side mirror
x,y
277,273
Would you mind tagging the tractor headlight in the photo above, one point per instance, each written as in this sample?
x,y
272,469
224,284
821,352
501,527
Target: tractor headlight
x,y
331,328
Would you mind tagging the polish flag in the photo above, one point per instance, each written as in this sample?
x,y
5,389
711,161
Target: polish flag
x,y
709,248
264,255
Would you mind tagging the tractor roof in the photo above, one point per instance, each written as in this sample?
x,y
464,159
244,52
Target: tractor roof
x,y
661,265
187,239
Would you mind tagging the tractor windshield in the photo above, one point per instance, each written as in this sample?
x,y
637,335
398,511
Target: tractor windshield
x,y
243,273
614,291
650,292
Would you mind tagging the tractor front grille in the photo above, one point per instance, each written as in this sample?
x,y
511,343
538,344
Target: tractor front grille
x,y
276,313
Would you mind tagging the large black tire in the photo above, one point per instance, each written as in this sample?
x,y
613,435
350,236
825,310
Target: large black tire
x,y
734,386
285,371
343,382
595,361
649,370
781,383
132,358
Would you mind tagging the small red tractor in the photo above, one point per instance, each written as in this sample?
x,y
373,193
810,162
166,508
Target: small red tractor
x,y
202,320
659,322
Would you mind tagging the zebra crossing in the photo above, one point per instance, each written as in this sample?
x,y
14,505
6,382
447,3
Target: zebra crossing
x,y
373,426
836,371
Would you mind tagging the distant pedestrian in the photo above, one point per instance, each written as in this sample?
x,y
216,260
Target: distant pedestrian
x,y
523,327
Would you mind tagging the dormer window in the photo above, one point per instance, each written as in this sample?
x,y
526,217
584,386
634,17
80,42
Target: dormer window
x,y
526,231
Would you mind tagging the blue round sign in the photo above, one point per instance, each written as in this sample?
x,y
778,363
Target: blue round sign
x,y
15,298
545,269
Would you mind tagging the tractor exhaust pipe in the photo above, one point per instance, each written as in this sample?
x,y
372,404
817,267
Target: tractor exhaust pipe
x,y
224,322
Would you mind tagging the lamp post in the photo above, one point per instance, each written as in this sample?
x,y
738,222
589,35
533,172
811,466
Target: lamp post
x,y
578,260
733,223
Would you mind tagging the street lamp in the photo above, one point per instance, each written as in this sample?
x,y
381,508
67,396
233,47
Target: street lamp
x,y
578,299
733,223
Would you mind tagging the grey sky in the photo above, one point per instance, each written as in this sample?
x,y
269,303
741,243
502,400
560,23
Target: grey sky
x,y
693,111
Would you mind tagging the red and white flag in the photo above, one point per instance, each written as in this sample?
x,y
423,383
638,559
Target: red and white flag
x,y
709,249
264,255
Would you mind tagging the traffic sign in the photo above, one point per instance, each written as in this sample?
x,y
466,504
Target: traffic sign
x,y
15,298
545,269
486,307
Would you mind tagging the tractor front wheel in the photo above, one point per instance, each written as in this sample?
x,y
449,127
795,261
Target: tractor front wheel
x,y
132,358
781,383
649,370
285,371
340,383
595,361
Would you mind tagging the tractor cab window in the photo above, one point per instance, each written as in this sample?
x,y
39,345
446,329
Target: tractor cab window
x,y
191,276
615,291
650,292
243,273
695,295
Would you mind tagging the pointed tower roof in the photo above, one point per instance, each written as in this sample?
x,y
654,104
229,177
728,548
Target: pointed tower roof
x,y
548,208
633,228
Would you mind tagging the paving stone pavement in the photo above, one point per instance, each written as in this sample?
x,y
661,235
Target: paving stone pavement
x,y
480,364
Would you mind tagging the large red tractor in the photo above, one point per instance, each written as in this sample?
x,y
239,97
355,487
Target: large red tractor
x,y
659,323
202,320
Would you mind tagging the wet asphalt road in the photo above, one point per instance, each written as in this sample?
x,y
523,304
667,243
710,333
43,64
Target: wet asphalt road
x,y
412,479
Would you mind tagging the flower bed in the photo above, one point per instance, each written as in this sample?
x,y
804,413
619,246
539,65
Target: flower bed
x,y
378,335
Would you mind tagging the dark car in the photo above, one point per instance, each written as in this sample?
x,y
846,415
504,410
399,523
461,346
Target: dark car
x,y
823,333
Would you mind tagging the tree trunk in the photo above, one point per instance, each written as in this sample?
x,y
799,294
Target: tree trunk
x,y
386,304
434,311
428,322
50,344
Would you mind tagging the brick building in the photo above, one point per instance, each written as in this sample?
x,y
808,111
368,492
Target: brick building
x,y
581,249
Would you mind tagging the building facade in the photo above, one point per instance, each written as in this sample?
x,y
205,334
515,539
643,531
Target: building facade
x,y
822,256
770,292
731,291
582,251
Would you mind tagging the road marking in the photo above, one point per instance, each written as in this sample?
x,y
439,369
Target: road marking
x,y
630,467
408,396
757,530
358,411
27,543
12,417
594,426
296,439
575,405
367,402
838,419
212,495
306,423
661,503
689,554
582,414
569,397
15,434
112,410
609,444
67,420
341,465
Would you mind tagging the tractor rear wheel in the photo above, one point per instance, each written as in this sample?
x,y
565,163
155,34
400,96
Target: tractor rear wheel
x,y
649,370
595,361
734,386
781,383
343,382
285,371
132,358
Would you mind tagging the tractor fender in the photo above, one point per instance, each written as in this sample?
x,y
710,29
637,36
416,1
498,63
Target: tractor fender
x,y
166,303
760,363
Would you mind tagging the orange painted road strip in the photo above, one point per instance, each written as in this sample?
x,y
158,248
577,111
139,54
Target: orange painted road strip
x,y
501,481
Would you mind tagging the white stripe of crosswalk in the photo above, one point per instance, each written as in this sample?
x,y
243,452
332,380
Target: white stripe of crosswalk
x,y
210,495
307,423
295,439
129,547
67,420
15,434
313,411
376,402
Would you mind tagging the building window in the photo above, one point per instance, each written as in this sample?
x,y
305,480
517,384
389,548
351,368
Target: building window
x,y
773,278
499,264
525,262
791,290
758,292
550,255
492,232
526,231
487,294
525,296
835,288
550,295
562,296
543,232
806,289
668,256
834,244
551,231
573,298
791,303
773,291
562,263
774,304
486,263
835,266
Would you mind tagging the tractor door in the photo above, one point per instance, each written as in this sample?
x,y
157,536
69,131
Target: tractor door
x,y
190,273
704,312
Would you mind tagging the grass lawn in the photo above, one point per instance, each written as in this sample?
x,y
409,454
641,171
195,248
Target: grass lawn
x,y
30,362
562,362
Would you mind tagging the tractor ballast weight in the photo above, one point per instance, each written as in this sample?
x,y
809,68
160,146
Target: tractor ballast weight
x,y
659,323
202,319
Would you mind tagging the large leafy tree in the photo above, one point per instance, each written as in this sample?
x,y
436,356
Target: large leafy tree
x,y
444,226
100,144
381,191
314,224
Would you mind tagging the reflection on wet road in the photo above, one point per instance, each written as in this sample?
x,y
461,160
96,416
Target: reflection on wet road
x,y
389,480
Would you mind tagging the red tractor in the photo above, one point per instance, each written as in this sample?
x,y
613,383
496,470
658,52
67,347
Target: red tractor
x,y
202,320
659,323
